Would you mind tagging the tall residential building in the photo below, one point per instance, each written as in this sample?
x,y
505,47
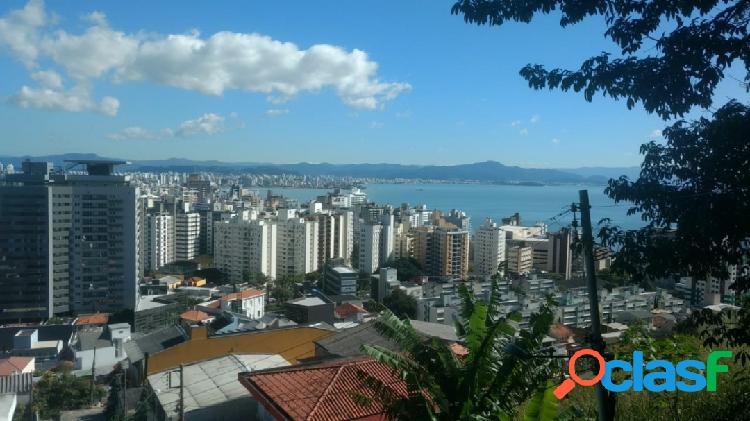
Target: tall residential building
x,y
560,259
69,242
369,247
187,235
243,248
442,251
296,244
489,248
520,259
105,238
376,241
403,241
159,241
33,230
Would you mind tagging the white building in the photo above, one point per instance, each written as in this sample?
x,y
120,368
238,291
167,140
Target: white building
x,y
369,247
251,303
296,244
187,235
489,248
159,241
243,248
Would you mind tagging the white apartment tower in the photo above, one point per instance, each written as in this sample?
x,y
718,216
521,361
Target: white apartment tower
x,y
489,248
243,248
187,235
159,241
296,244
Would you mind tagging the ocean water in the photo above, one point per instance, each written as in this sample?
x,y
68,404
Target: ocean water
x,y
479,201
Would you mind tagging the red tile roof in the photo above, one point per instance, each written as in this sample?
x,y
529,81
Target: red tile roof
x,y
14,365
194,316
331,391
459,350
248,293
348,309
93,319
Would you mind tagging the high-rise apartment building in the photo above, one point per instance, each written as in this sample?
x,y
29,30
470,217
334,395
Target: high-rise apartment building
x,y
187,235
442,251
244,248
520,259
296,244
159,241
489,248
69,242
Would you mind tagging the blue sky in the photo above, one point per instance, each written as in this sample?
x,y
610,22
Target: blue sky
x,y
361,81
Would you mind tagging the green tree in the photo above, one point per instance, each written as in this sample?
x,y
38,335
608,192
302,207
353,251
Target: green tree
x,y
285,288
115,406
401,304
693,191
488,383
62,391
407,268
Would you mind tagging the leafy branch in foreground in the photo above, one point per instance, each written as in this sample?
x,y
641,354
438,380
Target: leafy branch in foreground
x,y
487,383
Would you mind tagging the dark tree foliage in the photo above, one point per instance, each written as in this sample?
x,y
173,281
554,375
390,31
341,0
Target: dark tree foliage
x,y
693,190
401,304
406,268
672,53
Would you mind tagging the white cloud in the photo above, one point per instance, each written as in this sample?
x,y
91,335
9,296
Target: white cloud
x,y
515,123
535,119
208,124
212,65
136,132
523,132
555,140
19,31
655,134
48,79
77,99
376,125
276,112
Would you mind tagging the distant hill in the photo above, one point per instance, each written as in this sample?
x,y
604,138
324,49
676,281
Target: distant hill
x,y
486,172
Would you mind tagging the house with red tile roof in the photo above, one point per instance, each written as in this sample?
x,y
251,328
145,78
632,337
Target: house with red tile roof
x,y
99,319
350,312
195,316
330,391
250,303
16,365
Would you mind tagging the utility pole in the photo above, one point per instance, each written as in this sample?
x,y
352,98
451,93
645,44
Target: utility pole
x,y
605,409
182,393
93,375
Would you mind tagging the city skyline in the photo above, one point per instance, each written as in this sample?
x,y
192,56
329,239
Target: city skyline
x,y
332,88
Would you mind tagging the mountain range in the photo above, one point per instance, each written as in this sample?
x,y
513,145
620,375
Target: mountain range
x,y
486,172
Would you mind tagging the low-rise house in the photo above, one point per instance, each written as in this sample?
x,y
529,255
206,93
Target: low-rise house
x,y
335,390
98,319
210,388
309,310
49,343
250,303
46,353
101,348
16,365
196,316
349,312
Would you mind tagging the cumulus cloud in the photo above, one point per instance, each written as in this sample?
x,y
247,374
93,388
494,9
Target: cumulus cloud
x,y
535,119
48,79
377,124
208,124
515,123
555,140
523,132
211,65
276,112
77,99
